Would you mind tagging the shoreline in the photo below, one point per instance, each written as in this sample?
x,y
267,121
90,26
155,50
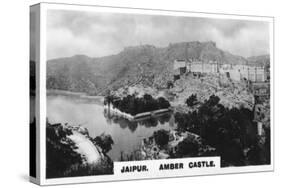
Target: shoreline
x,y
55,92
138,116
85,147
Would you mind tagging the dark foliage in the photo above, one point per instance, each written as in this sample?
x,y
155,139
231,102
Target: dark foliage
x,y
191,100
228,130
267,145
134,105
104,141
187,122
62,159
187,147
32,148
170,84
60,155
161,137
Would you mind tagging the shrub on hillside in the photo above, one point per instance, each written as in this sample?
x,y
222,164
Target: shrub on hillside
x,y
104,141
161,137
188,146
191,100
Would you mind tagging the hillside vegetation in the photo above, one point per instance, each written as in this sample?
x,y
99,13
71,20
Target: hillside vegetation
x,y
146,65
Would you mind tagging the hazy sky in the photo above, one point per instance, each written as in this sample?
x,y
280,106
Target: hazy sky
x,y
100,34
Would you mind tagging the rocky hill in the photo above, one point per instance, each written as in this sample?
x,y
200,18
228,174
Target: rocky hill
x,y
262,60
146,65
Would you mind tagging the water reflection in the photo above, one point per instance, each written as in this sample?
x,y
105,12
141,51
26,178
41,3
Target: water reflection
x,y
133,125
127,135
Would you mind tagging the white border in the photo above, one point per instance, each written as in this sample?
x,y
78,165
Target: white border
x,y
43,59
43,92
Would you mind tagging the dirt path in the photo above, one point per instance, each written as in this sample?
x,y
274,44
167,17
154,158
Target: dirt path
x,y
85,147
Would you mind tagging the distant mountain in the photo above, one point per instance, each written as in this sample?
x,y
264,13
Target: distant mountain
x,y
262,60
145,64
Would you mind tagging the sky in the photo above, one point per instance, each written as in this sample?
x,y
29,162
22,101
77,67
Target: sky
x,y
100,34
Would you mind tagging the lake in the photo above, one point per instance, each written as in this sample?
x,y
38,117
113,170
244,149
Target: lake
x,y
89,112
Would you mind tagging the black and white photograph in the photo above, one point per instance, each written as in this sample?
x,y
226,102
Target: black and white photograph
x,y
140,93
134,87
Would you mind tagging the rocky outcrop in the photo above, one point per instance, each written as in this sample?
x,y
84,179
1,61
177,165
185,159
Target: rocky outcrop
x,y
231,94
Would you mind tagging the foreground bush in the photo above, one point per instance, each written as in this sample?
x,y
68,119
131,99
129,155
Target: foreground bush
x,y
104,141
230,131
63,160
60,151
191,100
188,147
161,137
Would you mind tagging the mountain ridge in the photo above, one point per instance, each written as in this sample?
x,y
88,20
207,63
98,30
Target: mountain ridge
x,y
144,64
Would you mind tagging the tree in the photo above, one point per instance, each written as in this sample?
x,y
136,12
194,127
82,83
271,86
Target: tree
x,y
191,100
213,100
188,146
161,137
225,129
60,151
134,105
170,84
105,142
163,103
